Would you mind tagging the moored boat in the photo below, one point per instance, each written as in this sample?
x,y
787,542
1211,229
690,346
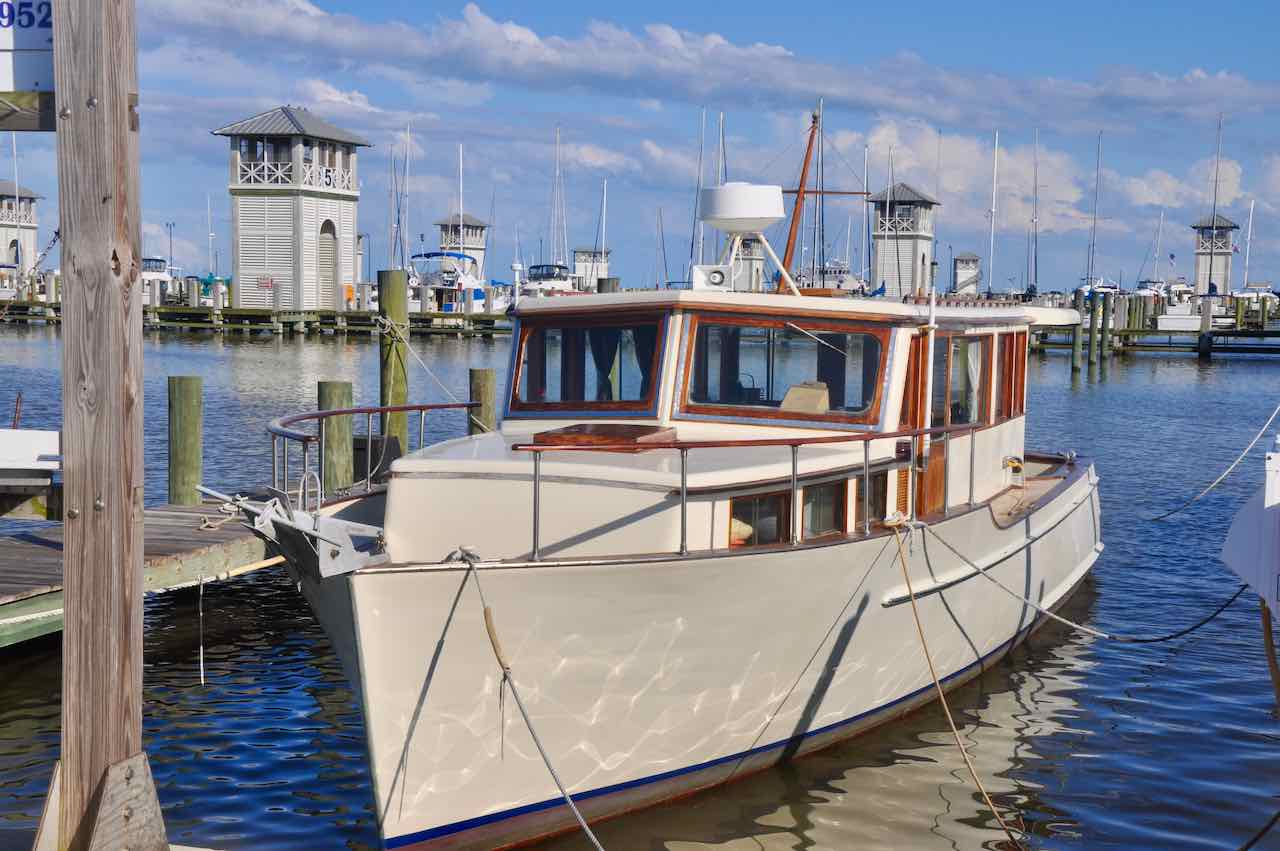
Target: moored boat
x,y
684,534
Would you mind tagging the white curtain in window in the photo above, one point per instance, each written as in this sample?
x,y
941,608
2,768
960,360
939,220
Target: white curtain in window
x,y
972,352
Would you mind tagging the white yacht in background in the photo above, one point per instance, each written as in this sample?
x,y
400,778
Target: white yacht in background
x,y
156,281
697,573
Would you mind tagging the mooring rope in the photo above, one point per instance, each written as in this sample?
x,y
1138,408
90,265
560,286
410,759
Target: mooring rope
x,y
469,556
1131,639
1225,472
942,695
392,328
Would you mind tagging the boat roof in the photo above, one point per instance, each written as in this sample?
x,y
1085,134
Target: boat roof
x,y
867,309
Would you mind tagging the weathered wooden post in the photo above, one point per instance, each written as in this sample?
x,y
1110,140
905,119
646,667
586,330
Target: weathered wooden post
x,y
393,306
1263,304
1077,332
336,460
1238,304
484,389
101,791
1107,310
1095,325
1204,343
186,438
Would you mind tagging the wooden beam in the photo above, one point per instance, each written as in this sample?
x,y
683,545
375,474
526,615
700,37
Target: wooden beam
x,y
95,61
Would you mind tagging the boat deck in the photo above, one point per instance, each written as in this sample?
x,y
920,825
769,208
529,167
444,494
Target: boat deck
x,y
180,549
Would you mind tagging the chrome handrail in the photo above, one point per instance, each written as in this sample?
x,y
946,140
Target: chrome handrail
x,y
796,535
283,435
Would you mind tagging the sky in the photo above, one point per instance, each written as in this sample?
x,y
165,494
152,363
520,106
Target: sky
x,y
626,85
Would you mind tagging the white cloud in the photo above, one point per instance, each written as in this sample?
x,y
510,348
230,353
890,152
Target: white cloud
x,y
598,158
155,243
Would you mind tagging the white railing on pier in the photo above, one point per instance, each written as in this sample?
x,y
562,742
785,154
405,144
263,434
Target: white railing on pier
x,y
326,177
266,173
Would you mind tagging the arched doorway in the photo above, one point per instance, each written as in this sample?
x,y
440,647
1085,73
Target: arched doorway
x,y
327,264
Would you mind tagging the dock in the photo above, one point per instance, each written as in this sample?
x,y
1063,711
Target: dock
x,y
229,320
183,547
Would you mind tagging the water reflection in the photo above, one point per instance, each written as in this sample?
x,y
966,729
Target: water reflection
x,y
1092,744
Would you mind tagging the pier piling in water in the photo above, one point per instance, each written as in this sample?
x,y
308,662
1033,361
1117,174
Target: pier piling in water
x,y
337,451
1108,309
1077,333
393,305
1239,306
1262,314
1095,324
484,389
186,438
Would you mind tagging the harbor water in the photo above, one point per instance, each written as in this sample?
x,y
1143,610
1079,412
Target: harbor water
x,y
1091,744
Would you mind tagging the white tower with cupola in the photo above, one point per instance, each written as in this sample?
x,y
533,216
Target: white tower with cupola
x,y
294,195
18,231
903,240
1215,243
465,234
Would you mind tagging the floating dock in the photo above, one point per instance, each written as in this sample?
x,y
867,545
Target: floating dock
x,y
250,320
183,547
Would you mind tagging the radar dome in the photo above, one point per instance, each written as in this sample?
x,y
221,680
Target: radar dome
x,y
742,207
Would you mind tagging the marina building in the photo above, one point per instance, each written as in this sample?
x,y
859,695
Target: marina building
x,y
1215,243
466,237
903,240
18,230
966,272
589,266
295,189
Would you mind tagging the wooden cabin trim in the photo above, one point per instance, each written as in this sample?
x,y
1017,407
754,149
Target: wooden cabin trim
x,y
683,407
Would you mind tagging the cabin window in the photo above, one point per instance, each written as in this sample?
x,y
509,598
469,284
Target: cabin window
x,y
759,519
961,380
799,370
1011,381
879,499
576,366
823,512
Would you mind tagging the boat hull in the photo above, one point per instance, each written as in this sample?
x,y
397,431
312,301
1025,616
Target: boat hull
x,y
651,679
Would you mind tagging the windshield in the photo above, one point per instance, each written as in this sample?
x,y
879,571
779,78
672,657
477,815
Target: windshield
x,y
546,272
800,370
584,366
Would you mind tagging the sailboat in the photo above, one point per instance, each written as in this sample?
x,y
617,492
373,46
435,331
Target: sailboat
x,y
554,278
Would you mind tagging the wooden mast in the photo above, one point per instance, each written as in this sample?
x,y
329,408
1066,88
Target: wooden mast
x,y
800,193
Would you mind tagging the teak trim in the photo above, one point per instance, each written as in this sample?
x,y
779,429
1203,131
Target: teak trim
x,y
695,319
620,319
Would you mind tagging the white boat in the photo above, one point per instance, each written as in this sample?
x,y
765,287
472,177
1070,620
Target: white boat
x,y
449,282
684,531
156,281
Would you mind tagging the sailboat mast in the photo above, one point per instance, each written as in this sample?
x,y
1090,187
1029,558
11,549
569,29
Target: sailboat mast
x,y
208,206
720,167
865,253
991,253
696,254
798,209
1159,235
818,209
1213,217
1035,215
1093,226
1248,242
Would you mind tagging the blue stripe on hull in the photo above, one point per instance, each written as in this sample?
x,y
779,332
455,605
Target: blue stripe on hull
x,y
481,821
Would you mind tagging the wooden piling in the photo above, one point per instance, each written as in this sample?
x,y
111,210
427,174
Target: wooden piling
x,y
1077,332
1262,313
96,80
1095,325
186,438
1238,304
336,463
393,306
1108,311
484,389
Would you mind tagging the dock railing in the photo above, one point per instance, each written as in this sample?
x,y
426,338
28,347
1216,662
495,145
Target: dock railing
x,y
285,433
916,438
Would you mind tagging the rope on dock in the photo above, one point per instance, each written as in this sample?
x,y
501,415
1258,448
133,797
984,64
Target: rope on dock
x,y
937,684
1131,639
389,327
1225,472
471,558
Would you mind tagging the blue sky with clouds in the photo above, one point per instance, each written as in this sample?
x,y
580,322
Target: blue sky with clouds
x,y
626,84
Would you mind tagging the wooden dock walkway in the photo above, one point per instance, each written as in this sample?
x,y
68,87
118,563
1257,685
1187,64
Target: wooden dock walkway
x,y
180,550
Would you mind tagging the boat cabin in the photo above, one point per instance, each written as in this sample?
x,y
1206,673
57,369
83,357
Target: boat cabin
x,y
723,420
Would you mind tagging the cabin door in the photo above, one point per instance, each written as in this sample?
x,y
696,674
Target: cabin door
x,y
931,481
